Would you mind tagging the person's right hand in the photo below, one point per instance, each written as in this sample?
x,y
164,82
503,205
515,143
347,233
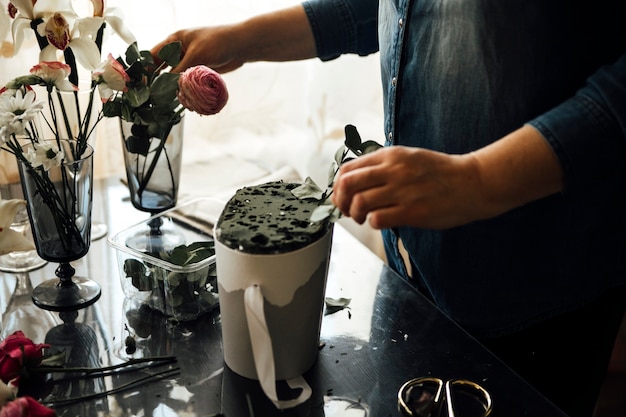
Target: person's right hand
x,y
213,46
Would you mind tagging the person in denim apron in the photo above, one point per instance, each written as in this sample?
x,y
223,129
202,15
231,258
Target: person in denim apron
x,y
504,170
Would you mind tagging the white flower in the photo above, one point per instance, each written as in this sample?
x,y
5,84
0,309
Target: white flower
x,y
16,111
10,240
27,12
110,77
46,155
54,73
63,28
63,31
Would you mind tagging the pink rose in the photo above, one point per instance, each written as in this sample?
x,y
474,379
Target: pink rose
x,y
26,407
16,352
202,90
54,73
110,77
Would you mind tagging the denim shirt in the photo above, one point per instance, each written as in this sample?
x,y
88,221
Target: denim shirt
x,y
460,74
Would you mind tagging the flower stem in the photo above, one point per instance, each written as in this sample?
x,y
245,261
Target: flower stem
x,y
160,359
132,384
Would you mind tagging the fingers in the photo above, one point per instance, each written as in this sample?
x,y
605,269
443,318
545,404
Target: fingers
x,y
361,187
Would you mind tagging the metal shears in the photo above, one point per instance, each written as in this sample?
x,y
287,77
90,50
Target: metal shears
x,y
424,397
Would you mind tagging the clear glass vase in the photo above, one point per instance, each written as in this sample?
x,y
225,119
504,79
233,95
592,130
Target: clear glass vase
x,y
152,166
59,207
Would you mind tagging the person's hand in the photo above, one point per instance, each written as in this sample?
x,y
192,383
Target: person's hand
x,y
400,186
210,46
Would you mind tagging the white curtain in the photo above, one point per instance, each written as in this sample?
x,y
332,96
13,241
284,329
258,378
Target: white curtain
x,y
279,114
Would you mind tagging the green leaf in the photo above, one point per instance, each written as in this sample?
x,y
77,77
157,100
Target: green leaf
x,y
132,53
369,146
112,108
164,88
322,212
309,189
138,95
171,53
136,73
340,154
353,139
138,145
184,255
137,272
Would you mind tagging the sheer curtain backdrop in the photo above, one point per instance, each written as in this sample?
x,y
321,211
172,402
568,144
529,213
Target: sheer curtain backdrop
x,y
279,114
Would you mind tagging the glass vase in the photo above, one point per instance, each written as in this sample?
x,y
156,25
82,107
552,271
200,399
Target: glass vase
x,y
59,207
152,166
11,188
82,109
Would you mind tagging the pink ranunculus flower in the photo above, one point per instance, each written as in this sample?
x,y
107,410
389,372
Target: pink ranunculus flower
x,y
202,90
110,77
54,73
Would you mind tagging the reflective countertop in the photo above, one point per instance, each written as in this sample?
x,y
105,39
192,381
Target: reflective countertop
x,y
388,335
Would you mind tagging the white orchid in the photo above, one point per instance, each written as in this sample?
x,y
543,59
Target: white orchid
x,y
10,240
58,25
29,11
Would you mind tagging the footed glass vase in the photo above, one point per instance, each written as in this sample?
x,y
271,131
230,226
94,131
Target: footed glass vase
x,y
153,175
11,188
59,208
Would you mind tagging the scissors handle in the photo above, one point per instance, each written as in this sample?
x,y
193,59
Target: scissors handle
x,y
433,406
484,395
404,408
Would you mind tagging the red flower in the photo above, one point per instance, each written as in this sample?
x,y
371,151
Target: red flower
x,y
18,352
202,90
26,407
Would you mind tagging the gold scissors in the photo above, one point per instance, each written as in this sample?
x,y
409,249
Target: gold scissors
x,y
423,397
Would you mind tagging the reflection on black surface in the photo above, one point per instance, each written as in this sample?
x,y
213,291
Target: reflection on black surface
x,y
243,397
80,344
198,348
22,314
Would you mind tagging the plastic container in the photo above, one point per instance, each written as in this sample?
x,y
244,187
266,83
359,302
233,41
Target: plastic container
x,y
168,261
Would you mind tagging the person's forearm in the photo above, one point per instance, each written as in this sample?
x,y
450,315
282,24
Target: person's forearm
x,y
278,36
517,169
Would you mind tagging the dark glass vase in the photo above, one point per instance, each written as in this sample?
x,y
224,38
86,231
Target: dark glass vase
x,y
153,169
152,165
59,208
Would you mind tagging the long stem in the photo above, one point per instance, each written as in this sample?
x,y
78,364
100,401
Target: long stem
x,y
157,360
155,159
152,377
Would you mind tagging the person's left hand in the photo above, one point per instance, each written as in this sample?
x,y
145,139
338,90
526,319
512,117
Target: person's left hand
x,y
401,186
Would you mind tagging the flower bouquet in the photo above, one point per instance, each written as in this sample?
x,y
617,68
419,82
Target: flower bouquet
x,y
151,110
52,150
